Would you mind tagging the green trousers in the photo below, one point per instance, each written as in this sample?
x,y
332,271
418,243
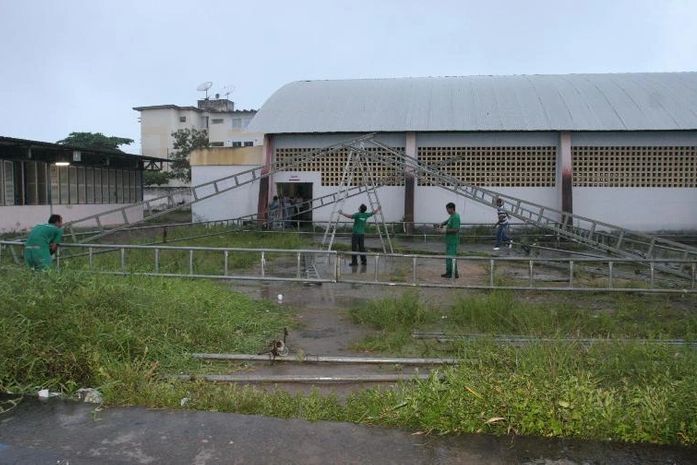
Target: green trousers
x,y
37,258
451,245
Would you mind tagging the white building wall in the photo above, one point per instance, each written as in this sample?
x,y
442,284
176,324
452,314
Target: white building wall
x,y
429,204
24,217
235,203
645,209
156,127
640,209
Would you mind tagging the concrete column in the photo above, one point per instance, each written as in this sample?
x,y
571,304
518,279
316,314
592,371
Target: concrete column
x,y
409,183
265,182
567,201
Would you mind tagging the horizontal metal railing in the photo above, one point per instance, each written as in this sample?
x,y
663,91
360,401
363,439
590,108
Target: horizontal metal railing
x,y
573,267
382,269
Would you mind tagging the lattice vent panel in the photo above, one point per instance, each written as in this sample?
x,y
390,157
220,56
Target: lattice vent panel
x,y
332,166
493,166
635,166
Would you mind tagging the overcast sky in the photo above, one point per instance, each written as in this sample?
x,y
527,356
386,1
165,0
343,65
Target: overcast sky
x,y
74,65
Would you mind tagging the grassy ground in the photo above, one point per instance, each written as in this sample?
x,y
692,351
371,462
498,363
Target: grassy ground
x,y
620,391
69,329
127,335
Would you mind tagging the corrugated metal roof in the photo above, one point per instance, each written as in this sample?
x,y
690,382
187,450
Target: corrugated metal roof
x,y
575,102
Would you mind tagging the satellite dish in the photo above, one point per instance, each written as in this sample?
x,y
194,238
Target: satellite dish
x,y
204,87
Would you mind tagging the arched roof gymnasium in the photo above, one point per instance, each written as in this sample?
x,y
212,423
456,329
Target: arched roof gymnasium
x,y
571,102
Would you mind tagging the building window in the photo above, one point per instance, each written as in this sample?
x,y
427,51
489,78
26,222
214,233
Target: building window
x,y
64,197
45,183
492,166
248,143
133,185
73,182
31,193
97,185
81,185
112,186
119,186
236,123
89,185
7,183
182,119
55,184
217,144
217,121
139,186
237,144
42,183
674,167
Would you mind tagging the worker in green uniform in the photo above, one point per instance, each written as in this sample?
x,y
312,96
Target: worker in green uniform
x,y
360,218
451,229
42,243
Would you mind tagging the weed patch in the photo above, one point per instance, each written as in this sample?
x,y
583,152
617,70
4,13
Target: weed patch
x,y
64,330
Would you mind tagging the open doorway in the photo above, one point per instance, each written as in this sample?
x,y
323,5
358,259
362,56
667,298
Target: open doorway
x,y
291,195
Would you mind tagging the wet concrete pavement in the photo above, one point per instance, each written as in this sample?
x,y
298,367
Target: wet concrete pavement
x,y
68,433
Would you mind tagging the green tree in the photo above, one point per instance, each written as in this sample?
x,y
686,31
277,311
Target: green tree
x,y
155,178
95,140
185,142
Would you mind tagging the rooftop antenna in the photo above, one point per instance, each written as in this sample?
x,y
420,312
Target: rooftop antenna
x,y
204,87
227,90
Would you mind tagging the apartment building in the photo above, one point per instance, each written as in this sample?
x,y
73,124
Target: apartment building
x,y
226,125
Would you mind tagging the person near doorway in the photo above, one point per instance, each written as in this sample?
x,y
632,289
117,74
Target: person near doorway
x,y
451,229
42,243
298,204
502,227
287,208
360,218
274,209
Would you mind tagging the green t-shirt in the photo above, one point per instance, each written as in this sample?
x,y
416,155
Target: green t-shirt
x,y
359,221
42,235
453,223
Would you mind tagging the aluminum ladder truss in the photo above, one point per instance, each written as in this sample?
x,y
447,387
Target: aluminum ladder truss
x,y
357,173
602,236
306,206
198,193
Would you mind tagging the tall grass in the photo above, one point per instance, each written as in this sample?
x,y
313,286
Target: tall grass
x,y
619,316
126,335
394,318
69,329
556,392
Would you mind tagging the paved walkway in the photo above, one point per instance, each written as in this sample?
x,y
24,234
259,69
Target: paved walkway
x,y
69,433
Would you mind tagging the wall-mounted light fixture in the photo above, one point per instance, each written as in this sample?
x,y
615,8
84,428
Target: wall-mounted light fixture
x,y
62,163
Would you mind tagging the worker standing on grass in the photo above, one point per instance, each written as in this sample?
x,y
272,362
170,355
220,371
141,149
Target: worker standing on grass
x,y
502,226
451,229
42,243
358,234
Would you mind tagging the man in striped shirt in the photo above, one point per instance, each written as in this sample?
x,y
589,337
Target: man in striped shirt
x,y
502,226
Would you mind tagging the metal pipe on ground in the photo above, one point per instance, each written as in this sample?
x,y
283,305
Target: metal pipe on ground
x,y
532,339
330,359
257,379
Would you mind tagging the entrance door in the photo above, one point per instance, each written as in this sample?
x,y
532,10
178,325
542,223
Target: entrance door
x,y
297,193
